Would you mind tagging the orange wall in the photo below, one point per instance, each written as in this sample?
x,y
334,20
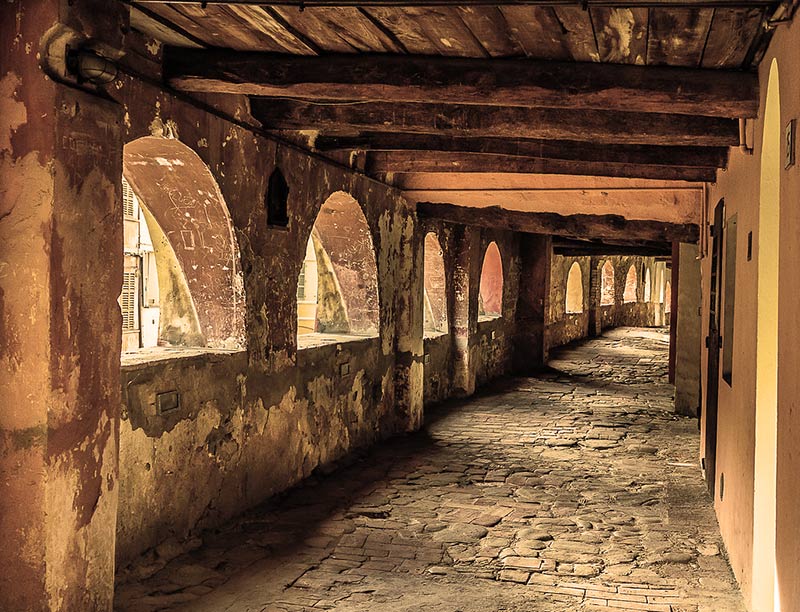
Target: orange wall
x,y
740,186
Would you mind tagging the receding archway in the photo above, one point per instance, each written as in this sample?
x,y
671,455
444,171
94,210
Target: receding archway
x,y
574,297
491,285
668,297
341,256
765,595
647,286
435,283
200,284
631,280
607,284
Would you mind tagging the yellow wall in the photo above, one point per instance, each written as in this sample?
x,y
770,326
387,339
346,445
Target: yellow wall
x,y
740,186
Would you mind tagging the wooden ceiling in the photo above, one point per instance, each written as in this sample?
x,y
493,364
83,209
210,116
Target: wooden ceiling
x,y
441,89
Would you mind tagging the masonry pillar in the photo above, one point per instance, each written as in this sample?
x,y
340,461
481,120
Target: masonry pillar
x,y
465,309
533,302
595,314
60,325
673,315
409,313
688,337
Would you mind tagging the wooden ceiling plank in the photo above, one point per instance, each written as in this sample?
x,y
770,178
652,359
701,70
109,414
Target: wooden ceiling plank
x,y
225,29
490,28
444,28
171,15
574,226
731,35
508,122
405,28
424,162
263,21
314,26
677,36
154,25
706,157
538,31
578,33
357,29
500,82
621,34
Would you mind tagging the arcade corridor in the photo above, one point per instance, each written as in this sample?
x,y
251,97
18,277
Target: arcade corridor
x,y
575,490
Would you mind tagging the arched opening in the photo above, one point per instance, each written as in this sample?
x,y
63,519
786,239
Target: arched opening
x,y
337,288
647,286
435,285
491,288
766,431
631,280
574,290
668,297
183,284
607,284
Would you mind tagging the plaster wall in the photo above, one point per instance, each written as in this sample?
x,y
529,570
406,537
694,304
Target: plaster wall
x,y
740,187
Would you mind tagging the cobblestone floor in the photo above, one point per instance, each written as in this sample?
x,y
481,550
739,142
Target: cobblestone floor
x,y
575,490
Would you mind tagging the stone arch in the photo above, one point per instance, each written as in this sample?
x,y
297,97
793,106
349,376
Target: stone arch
x,y
668,297
766,426
491,284
435,283
631,281
574,298
347,273
201,288
648,288
607,287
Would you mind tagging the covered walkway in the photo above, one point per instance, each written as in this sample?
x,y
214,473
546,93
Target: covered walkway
x,y
575,490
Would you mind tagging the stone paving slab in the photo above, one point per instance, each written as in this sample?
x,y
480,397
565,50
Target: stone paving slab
x,y
576,490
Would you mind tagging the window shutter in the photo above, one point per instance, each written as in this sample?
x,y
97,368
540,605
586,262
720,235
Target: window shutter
x,y
128,204
128,301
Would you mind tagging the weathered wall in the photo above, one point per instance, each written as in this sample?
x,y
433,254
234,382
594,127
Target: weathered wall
x,y
688,338
60,327
740,187
564,327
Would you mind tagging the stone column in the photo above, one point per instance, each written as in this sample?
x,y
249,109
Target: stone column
x,y
673,315
60,324
595,314
465,309
688,338
533,303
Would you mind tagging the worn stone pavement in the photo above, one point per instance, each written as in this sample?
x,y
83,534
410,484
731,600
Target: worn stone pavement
x,y
575,490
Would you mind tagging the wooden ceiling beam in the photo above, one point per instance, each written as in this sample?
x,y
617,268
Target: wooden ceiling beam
x,y
573,226
302,4
456,80
705,157
571,247
404,162
609,127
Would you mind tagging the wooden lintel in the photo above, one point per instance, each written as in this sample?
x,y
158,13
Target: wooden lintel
x,y
706,157
509,122
405,162
456,80
581,248
615,227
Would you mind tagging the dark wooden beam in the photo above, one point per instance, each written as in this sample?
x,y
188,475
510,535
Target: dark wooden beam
x,y
509,122
457,80
704,157
405,162
613,227
581,248
302,4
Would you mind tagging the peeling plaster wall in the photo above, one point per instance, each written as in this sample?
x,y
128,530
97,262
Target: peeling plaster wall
x,y
60,336
255,422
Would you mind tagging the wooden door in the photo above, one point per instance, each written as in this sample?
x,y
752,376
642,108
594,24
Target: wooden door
x,y
713,345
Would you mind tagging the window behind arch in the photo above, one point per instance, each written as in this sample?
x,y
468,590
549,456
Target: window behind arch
x,y
574,294
435,285
491,285
607,284
631,280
